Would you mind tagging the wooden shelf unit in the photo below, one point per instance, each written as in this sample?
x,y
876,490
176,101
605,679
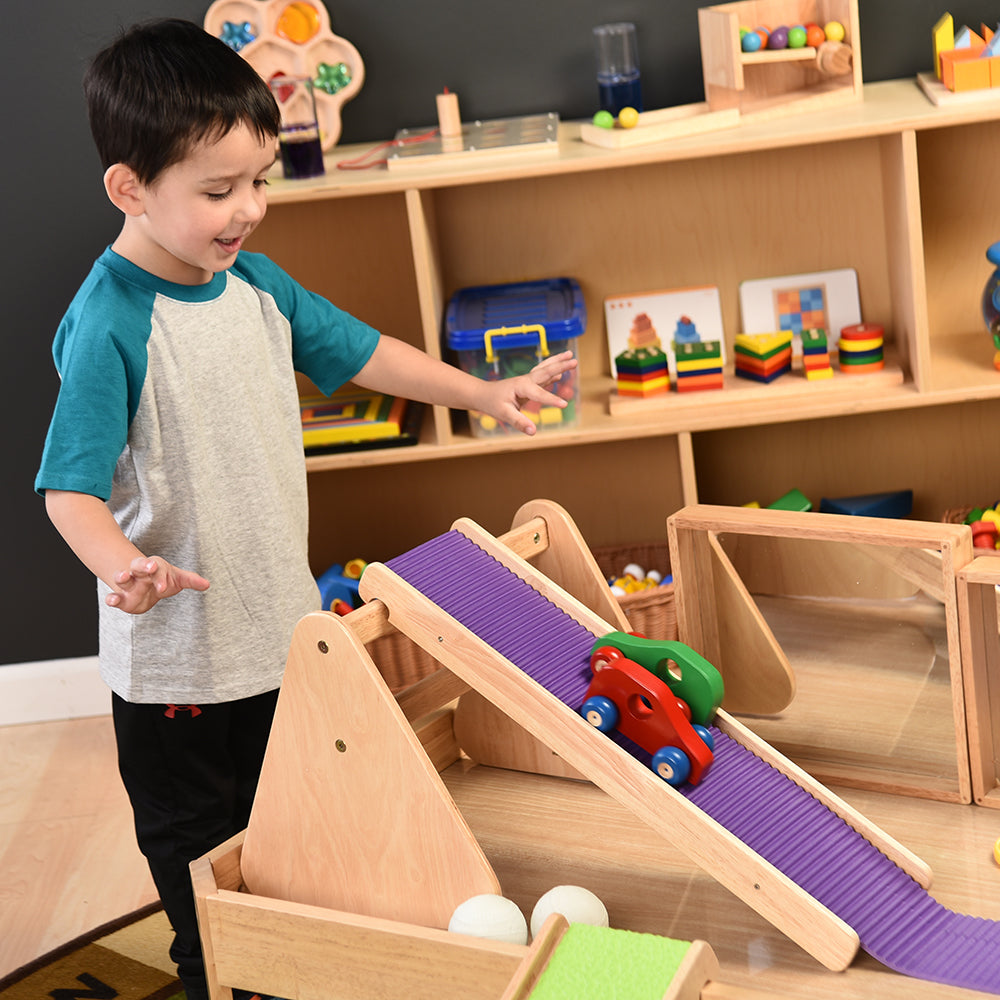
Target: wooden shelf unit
x,y
889,185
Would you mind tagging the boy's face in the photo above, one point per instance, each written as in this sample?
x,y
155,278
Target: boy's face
x,y
196,214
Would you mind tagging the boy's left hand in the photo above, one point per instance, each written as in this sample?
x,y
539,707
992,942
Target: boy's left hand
x,y
503,399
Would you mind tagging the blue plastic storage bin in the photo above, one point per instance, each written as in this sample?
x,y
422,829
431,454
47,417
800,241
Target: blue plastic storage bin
x,y
497,331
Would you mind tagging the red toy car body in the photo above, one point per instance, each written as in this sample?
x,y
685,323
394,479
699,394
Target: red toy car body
x,y
626,696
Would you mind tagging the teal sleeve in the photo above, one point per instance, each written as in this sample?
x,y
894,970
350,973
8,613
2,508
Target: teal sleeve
x,y
101,375
329,345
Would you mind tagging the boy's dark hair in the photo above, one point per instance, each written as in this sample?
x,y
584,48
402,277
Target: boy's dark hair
x,y
165,85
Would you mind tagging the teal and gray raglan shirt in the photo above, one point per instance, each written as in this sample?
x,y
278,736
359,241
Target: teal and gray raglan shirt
x,y
178,407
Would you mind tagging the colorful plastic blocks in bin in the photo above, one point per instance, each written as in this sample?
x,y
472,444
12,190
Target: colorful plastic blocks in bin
x,y
498,331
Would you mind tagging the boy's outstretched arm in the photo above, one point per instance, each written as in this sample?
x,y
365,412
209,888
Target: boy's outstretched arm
x,y
398,369
137,581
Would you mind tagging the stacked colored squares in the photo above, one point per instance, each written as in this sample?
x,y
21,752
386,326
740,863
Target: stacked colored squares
x,y
800,309
699,365
861,349
642,372
763,356
816,355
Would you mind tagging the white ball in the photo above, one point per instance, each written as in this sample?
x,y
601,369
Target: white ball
x,y
576,904
490,916
635,570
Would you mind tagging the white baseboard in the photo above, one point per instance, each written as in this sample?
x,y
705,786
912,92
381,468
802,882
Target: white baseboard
x,y
51,690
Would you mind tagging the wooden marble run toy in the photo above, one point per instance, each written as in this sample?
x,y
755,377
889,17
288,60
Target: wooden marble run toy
x,y
830,880
293,38
752,85
779,81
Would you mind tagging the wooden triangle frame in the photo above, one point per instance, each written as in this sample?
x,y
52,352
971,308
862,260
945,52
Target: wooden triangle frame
x,y
789,908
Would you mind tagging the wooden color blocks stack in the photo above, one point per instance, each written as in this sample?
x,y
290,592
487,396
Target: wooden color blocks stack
x,y
816,355
699,365
860,350
763,356
641,369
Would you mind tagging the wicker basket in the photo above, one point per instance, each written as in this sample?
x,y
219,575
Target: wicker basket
x,y
651,612
957,515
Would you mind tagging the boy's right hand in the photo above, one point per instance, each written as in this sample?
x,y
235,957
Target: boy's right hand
x,y
147,581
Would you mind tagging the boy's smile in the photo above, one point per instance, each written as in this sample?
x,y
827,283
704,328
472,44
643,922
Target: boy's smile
x,y
192,220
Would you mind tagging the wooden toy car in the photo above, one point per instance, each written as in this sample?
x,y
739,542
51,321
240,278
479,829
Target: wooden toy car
x,y
624,695
686,672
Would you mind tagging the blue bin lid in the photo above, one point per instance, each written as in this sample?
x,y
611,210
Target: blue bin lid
x,y
555,303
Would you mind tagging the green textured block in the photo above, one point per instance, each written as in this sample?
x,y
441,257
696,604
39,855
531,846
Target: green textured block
x,y
640,361
792,500
698,351
814,340
597,963
761,355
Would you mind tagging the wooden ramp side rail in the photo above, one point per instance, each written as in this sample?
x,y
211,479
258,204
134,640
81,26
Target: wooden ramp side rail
x,y
829,939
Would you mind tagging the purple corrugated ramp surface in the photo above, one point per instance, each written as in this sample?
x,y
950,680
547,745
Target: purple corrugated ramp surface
x,y
897,921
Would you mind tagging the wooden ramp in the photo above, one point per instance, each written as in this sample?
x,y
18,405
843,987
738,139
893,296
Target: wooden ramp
x,y
523,643
775,837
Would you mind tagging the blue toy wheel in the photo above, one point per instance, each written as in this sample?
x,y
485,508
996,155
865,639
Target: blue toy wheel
x,y
706,736
672,765
600,712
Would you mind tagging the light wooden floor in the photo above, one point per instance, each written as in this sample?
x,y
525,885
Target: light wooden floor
x,y
69,862
68,857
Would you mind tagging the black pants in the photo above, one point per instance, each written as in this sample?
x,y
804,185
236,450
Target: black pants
x,y
190,773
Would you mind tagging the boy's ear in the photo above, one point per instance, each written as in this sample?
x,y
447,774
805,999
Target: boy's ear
x,y
124,189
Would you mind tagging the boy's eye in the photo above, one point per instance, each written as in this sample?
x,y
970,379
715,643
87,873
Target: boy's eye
x,y
261,182
218,196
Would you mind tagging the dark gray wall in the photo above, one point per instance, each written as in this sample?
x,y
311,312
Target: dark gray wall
x,y
503,59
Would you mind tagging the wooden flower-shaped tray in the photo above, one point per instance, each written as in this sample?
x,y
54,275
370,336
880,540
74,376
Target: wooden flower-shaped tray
x,y
293,38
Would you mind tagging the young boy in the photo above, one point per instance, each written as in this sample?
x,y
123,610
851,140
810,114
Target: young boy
x,y
174,466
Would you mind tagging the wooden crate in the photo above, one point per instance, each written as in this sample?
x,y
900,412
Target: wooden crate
x,y
977,601
292,950
771,83
840,635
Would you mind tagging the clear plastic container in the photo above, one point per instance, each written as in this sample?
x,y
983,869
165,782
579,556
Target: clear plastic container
x,y
618,79
498,331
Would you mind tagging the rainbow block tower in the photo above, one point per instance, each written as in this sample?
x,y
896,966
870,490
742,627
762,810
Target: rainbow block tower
x,y
763,356
699,365
861,349
816,355
641,369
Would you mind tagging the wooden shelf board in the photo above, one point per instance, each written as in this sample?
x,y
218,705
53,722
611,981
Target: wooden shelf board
x,y
771,401
886,108
740,403
938,94
964,363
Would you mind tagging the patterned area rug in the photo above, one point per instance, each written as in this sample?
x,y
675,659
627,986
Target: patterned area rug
x,y
125,959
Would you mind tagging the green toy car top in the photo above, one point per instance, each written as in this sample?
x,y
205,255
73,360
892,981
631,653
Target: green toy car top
x,y
687,673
